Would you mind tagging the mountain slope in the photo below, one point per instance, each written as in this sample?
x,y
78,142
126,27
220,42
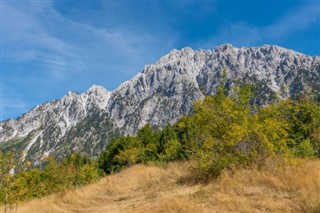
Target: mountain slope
x,y
51,127
160,94
164,91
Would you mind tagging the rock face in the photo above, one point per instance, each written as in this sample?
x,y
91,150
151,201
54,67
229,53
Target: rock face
x,y
56,126
162,93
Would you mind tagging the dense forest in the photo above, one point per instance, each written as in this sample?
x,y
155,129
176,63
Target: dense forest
x,y
225,131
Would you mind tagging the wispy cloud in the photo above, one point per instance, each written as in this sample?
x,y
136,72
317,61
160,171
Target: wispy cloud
x,y
11,102
26,38
241,33
46,53
50,47
294,21
13,107
65,46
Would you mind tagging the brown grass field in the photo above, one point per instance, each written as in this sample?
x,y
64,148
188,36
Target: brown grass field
x,y
294,188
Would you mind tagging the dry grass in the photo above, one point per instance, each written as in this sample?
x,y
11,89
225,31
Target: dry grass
x,y
295,188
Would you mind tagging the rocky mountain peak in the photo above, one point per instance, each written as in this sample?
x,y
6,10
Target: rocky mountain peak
x,y
225,48
96,89
71,95
162,93
96,95
177,55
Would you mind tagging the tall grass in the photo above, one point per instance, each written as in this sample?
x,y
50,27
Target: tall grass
x,y
291,188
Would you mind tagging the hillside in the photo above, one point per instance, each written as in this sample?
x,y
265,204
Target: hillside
x,y
162,93
294,188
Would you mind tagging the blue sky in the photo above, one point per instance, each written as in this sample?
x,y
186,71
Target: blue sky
x,y
51,47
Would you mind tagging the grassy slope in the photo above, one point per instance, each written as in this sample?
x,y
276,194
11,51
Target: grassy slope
x,y
152,189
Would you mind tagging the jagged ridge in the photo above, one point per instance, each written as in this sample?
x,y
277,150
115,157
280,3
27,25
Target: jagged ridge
x,y
162,93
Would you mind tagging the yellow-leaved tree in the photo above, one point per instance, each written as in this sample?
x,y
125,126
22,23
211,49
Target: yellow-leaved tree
x,y
8,192
230,132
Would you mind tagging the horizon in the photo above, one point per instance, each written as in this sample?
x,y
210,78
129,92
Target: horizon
x,y
49,48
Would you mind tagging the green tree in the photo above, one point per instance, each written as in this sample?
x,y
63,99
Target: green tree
x,y
303,119
168,133
131,152
107,160
150,141
172,149
229,134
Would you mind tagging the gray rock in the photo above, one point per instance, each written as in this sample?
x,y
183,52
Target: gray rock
x,y
162,93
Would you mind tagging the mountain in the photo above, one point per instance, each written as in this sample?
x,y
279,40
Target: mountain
x,y
162,93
